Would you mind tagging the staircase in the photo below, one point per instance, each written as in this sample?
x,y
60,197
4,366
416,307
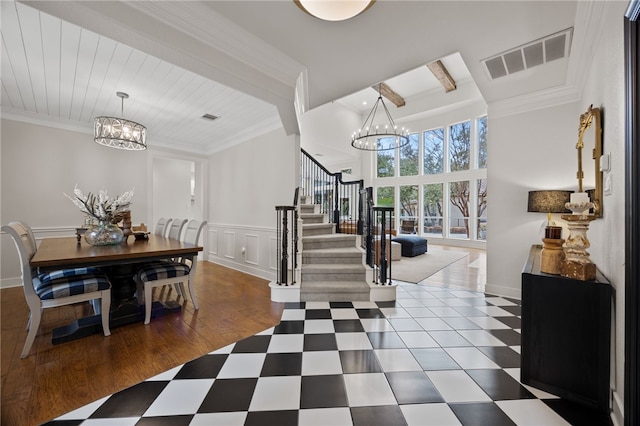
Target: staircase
x,y
332,264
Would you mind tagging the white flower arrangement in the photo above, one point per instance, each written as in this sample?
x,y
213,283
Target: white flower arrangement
x,y
101,207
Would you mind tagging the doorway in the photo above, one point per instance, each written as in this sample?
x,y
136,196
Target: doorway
x,y
177,189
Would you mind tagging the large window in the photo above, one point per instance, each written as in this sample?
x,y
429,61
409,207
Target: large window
x,y
386,196
433,151
438,182
409,205
433,209
482,142
409,160
386,158
482,208
459,146
459,209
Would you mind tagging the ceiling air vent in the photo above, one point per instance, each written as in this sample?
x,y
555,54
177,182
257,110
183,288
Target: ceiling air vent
x,y
529,55
209,117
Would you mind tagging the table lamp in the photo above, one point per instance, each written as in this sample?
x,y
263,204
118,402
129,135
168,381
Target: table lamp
x,y
550,201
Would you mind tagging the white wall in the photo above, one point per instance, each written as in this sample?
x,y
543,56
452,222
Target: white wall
x,y
328,129
40,163
605,89
247,182
536,150
530,151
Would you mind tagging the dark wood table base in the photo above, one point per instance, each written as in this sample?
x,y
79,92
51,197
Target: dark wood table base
x,y
124,314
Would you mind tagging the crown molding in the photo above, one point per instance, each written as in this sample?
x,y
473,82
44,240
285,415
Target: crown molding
x,y
588,29
248,133
45,120
201,22
143,26
534,101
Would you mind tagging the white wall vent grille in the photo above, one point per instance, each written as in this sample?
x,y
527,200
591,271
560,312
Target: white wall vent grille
x,y
529,55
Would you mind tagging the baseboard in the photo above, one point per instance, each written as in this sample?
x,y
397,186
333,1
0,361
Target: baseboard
x,y
617,410
11,282
514,293
247,269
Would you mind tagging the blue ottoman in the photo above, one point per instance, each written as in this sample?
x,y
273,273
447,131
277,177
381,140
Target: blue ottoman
x,y
412,245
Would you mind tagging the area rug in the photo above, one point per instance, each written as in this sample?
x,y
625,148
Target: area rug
x,y
416,269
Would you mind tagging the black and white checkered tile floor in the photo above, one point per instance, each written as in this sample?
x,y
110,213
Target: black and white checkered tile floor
x,y
436,356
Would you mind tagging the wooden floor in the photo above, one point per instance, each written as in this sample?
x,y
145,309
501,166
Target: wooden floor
x,y
56,379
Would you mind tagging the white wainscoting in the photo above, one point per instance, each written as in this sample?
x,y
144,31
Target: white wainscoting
x,y
251,249
229,244
248,249
224,245
273,253
11,272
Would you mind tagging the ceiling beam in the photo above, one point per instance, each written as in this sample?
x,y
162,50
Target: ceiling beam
x,y
388,93
440,71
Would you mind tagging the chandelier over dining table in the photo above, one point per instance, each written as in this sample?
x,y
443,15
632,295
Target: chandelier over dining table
x,y
120,133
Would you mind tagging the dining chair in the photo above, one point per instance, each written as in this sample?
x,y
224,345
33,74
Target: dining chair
x,y
56,288
175,229
177,272
162,226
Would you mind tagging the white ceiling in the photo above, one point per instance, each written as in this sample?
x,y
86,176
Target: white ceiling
x,y
410,84
67,75
63,61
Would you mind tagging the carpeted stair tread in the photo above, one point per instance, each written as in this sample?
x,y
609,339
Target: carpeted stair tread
x,y
312,216
340,268
332,252
334,286
330,237
318,229
318,225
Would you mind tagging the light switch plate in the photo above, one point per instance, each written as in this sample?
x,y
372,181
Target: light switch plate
x,y
605,163
606,184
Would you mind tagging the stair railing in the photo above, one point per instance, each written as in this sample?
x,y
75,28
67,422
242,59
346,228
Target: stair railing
x,y
286,244
339,200
378,242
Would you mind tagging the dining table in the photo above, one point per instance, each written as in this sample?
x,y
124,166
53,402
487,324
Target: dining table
x,y
120,262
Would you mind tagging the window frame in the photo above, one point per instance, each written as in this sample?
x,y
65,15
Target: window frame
x,y
473,175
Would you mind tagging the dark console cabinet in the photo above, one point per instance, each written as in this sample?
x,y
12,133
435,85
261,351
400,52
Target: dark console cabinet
x,y
566,334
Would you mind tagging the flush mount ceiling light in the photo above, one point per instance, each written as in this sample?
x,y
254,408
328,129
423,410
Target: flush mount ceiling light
x,y
375,136
120,133
334,10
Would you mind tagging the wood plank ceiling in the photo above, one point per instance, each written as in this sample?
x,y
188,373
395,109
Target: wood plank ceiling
x,y
58,71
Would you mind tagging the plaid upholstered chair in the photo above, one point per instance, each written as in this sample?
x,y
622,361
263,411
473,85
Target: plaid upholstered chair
x,y
56,288
177,272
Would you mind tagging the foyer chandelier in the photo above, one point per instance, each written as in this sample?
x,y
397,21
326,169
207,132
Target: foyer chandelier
x,y
333,10
120,133
373,136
